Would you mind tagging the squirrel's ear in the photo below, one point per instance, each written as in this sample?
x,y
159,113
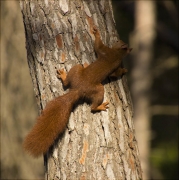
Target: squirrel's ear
x,y
129,50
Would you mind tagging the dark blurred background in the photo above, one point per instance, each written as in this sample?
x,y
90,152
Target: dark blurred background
x,y
151,29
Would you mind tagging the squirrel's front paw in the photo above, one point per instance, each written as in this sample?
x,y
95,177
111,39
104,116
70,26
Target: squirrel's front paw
x,y
61,74
124,70
95,30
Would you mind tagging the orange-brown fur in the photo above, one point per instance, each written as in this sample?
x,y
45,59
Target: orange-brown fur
x,y
84,83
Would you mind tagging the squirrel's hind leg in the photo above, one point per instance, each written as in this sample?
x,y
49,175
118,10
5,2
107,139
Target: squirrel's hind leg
x,y
102,107
97,99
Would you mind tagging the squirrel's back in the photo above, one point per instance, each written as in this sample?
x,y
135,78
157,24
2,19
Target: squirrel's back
x,y
50,123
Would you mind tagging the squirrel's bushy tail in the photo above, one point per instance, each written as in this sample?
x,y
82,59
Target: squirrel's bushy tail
x,y
50,124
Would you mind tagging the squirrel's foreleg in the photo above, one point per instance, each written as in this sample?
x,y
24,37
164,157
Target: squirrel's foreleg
x,y
61,74
99,47
119,72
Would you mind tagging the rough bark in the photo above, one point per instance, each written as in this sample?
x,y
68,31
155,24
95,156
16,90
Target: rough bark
x,y
94,146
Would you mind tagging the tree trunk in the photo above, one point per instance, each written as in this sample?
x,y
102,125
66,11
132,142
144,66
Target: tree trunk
x,y
93,146
143,39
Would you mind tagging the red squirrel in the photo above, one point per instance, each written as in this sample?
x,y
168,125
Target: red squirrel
x,y
84,83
